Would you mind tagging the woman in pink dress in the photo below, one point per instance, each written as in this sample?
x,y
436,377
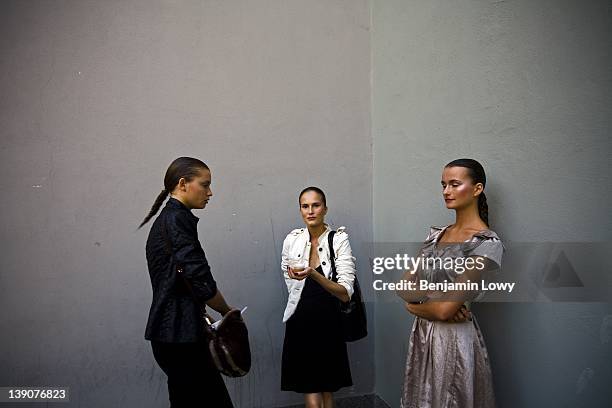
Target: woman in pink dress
x,y
448,364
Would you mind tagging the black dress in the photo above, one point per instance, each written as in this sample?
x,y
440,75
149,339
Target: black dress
x,y
314,352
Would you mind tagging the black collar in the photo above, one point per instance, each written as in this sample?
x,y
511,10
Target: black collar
x,y
174,203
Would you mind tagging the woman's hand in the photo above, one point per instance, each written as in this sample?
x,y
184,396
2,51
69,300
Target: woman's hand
x,y
431,311
332,287
461,316
299,274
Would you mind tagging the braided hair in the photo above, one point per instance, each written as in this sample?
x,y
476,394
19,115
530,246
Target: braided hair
x,y
477,174
183,167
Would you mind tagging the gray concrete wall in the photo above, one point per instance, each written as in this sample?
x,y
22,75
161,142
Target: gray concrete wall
x,y
524,87
98,97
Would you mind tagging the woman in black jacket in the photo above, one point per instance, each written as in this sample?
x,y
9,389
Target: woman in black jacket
x,y
174,327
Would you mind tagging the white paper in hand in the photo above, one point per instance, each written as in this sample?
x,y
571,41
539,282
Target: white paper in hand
x,y
218,322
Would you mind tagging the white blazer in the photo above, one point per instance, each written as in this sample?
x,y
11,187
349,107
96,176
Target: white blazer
x,y
297,246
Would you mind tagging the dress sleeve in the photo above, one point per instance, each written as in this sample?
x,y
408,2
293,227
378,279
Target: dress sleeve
x,y
428,244
427,251
487,245
188,254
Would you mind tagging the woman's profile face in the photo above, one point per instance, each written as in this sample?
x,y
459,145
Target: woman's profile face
x,y
196,193
458,188
312,209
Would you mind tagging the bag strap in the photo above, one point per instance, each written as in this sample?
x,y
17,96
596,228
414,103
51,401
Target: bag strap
x,y
179,271
332,255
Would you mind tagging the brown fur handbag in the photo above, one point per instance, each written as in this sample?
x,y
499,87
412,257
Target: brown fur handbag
x,y
229,344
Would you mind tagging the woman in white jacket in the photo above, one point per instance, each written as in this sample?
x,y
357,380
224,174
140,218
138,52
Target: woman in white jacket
x,y
315,360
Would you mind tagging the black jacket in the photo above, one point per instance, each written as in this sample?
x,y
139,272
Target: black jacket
x,y
174,316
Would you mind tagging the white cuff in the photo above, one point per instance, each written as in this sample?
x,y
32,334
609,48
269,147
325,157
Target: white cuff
x,y
348,288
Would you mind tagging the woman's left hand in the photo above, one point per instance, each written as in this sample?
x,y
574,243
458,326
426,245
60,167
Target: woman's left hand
x,y
308,271
461,316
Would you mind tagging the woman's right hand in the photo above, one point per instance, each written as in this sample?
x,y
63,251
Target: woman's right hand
x,y
294,275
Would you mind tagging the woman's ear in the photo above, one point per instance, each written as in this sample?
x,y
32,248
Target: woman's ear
x,y
182,184
478,188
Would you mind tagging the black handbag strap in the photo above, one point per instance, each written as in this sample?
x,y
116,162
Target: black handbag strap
x,y
353,312
332,255
179,271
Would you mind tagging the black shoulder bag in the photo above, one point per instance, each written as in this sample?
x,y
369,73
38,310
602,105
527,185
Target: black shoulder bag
x,y
229,342
353,313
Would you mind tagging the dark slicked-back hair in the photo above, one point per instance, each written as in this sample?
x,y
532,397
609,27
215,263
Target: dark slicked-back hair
x,y
183,167
477,174
316,190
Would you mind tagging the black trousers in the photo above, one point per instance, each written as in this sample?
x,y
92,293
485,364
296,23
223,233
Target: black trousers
x,y
193,379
